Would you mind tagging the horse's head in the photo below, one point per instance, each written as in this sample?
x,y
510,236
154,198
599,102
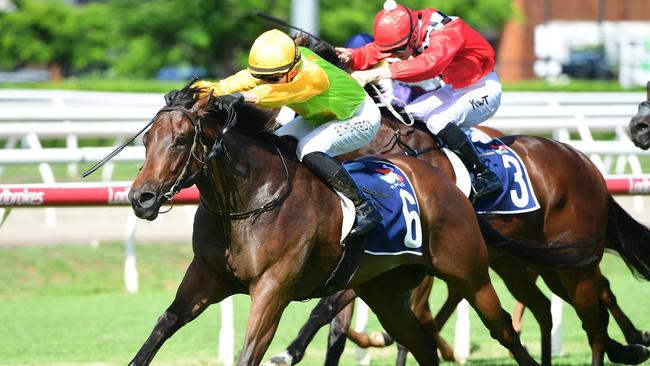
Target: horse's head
x,y
184,136
174,153
640,124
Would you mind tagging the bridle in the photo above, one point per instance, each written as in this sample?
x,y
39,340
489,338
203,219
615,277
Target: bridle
x,y
187,177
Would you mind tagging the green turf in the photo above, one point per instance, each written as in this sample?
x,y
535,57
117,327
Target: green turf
x,y
66,305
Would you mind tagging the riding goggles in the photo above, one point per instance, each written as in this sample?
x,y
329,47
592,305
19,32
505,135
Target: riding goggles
x,y
270,78
399,49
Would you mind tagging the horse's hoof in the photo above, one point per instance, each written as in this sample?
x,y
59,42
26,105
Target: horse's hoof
x,y
380,339
450,357
283,359
629,355
642,353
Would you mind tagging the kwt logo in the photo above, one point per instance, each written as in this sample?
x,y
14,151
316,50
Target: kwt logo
x,y
478,103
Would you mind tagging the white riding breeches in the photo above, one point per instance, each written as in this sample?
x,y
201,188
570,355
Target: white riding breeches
x,y
465,107
335,137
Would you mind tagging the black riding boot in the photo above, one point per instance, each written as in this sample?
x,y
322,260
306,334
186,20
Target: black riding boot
x,y
485,181
333,174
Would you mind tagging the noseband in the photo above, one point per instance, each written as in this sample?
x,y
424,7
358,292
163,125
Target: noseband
x,y
186,178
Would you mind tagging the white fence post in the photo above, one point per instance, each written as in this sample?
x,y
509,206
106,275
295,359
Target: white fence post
x,y
32,141
130,268
461,338
360,323
556,330
227,333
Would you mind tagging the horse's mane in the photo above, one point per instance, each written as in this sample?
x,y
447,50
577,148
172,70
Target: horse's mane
x,y
322,49
252,121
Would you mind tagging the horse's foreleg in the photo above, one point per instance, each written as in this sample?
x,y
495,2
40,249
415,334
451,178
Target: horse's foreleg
x,y
484,300
199,288
518,316
448,308
631,333
339,327
522,286
269,297
393,311
361,339
582,288
322,314
421,309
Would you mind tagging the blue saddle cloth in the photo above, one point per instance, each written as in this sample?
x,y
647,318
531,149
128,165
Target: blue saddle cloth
x,y
400,230
517,195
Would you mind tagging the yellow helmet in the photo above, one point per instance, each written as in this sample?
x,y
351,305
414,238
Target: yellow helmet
x,y
273,52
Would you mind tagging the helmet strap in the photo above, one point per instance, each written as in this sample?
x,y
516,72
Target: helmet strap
x,y
293,70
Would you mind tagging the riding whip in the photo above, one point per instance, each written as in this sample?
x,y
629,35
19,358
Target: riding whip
x,y
285,24
121,147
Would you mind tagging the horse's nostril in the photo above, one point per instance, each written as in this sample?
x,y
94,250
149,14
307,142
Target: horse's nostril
x,y
639,127
147,199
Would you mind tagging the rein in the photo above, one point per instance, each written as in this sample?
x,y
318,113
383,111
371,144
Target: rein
x,y
219,149
390,108
187,178
397,136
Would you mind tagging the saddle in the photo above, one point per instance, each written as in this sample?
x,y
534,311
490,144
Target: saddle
x,y
517,195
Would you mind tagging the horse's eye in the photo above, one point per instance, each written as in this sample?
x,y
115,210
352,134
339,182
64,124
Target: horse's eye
x,y
181,141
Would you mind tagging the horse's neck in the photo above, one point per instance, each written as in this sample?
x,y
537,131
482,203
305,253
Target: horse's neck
x,y
248,174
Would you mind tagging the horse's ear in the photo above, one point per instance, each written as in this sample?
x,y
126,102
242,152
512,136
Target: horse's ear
x,y
303,40
169,97
199,106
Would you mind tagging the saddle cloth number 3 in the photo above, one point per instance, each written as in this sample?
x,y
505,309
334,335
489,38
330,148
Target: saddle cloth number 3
x,y
521,199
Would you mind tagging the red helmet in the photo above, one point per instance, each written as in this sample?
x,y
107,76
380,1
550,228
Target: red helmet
x,y
394,26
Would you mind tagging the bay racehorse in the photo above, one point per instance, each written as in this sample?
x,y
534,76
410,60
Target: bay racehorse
x,y
268,228
565,215
575,209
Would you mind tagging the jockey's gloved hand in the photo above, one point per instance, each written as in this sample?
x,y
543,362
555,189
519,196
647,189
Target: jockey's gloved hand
x,y
204,88
229,100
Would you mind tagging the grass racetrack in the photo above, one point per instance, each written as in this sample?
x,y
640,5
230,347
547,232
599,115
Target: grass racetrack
x,y
65,305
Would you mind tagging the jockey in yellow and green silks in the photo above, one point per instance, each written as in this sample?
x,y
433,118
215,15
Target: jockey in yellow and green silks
x,y
336,115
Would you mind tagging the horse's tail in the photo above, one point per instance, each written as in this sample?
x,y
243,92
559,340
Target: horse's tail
x,y
552,255
630,239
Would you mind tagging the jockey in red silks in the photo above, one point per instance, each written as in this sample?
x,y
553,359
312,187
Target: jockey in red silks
x,y
336,115
451,61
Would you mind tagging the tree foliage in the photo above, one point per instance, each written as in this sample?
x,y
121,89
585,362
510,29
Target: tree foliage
x,y
137,38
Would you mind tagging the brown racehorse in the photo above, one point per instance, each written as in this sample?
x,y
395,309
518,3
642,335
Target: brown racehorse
x,y
575,207
556,220
269,228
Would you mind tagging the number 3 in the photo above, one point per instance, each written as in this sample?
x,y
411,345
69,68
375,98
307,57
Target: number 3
x,y
522,199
